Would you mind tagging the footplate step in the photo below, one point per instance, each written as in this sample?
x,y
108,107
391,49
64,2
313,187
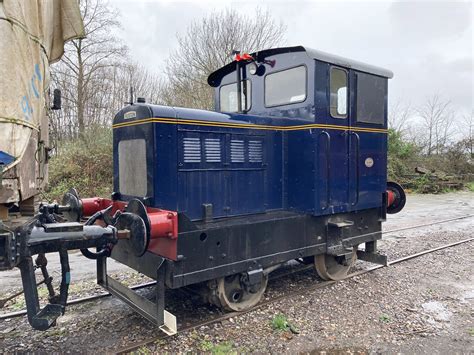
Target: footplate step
x,y
47,316
170,327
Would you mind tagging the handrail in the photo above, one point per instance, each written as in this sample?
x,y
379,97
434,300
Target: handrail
x,y
357,165
328,168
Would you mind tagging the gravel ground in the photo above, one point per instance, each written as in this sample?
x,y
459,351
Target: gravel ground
x,y
420,306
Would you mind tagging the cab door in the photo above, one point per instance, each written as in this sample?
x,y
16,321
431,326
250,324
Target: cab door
x,y
333,145
367,141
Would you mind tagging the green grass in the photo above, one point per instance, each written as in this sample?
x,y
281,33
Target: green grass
x,y
280,323
470,186
470,331
143,350
225,347
384,318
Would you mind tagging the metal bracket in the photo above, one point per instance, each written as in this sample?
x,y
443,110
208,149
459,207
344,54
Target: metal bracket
x,y
153,312
336,233
170,326
207,212
340,224
375,258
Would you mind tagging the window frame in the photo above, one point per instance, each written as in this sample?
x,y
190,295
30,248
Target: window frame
x,y
281,70
244,109
341,117
123,177
356,101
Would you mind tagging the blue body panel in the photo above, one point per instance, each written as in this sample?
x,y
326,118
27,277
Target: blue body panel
x,y
267,159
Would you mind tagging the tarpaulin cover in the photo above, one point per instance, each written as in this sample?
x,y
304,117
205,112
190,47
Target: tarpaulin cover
x,y
5,158
32,35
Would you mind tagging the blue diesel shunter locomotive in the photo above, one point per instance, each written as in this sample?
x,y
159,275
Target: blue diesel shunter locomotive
x,y
292,165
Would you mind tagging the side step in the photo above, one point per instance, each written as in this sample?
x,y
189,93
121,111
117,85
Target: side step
x,y
154,312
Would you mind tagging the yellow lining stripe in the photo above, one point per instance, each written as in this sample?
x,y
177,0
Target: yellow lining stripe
x,y
246,125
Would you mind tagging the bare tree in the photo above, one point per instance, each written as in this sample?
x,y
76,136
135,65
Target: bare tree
x,y
399,115
467,131
437,123
207,45
85,67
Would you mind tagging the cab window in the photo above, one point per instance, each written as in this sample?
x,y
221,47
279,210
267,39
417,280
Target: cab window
x,y
228,96
371,93
338,93
285,87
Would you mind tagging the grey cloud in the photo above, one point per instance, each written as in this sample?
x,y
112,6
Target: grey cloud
x,y
428,45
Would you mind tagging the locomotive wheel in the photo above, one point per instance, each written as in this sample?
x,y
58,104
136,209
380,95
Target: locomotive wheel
x,y
330,267
234,296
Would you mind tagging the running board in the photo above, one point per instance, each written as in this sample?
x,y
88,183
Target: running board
x,y
153,312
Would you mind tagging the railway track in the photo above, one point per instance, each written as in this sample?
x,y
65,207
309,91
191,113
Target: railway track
x,y
273,299
152,283
317,286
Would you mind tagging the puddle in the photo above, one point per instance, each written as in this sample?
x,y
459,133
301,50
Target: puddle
x,y
437,310
468,296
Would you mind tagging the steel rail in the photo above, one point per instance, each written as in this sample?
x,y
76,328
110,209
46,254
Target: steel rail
x,y
287,295
147,284
78,300
428,224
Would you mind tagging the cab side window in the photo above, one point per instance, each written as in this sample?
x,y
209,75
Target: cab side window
x,y
228,98
338,92
371,96
286,87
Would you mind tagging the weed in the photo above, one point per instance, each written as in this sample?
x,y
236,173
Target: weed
x,y
55,332
470,331
280,322
470,186
19,303
143,350
218,349
223,348
384,318
206,345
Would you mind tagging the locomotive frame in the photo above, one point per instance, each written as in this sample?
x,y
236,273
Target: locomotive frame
x,y
220,239
292,166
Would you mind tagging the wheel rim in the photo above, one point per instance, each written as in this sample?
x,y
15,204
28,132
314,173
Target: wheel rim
x,y
330,267
234,296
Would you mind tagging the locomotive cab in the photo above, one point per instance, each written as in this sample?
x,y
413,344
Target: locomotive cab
x,y
335,112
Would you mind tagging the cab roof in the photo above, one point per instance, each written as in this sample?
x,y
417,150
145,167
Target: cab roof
x,y
215,78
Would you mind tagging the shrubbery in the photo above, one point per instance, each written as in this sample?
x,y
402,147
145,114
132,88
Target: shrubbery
x,y
449,169
84,163
401,157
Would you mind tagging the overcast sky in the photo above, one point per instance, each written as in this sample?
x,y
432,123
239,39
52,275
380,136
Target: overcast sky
x,y
428,45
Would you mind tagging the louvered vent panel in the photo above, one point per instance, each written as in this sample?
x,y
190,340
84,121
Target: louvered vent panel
x,y
255,151
213,150
237,151
192,150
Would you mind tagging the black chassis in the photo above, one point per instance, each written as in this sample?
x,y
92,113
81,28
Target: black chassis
x,y
222,247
